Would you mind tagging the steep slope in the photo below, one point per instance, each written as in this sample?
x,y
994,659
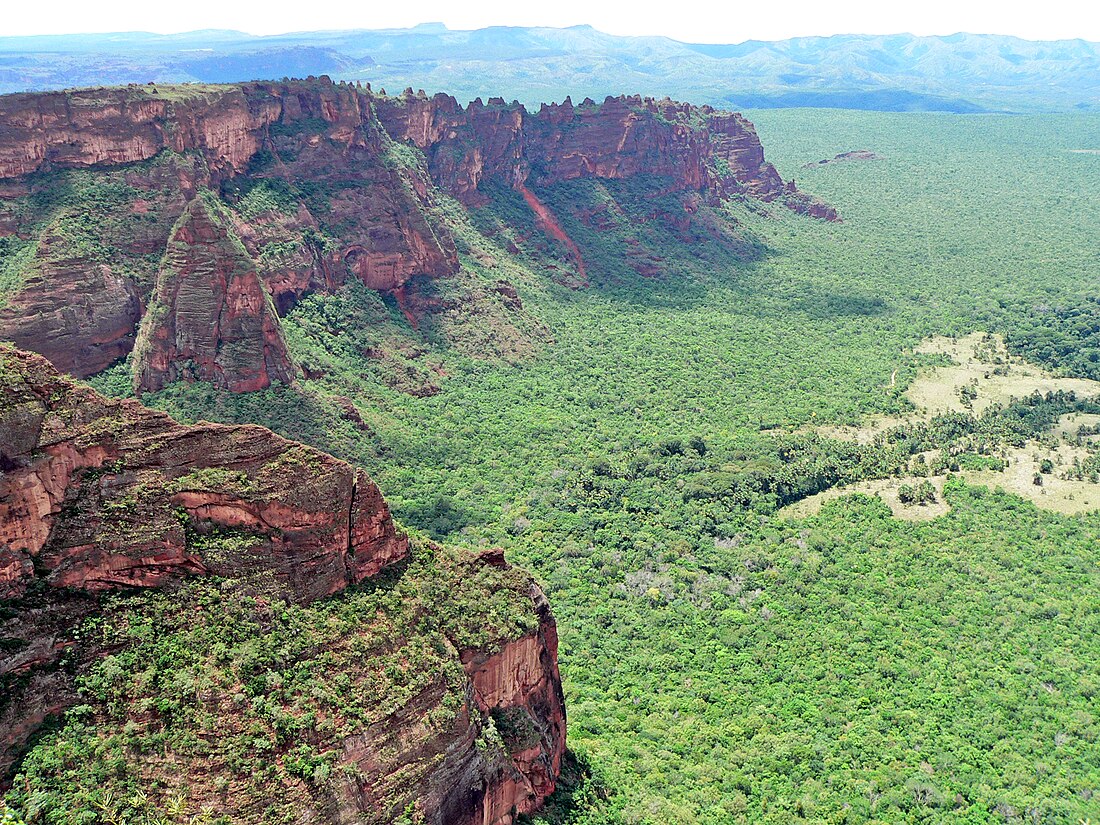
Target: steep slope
x,y
697,148
210,312
81,314
101,500
218,208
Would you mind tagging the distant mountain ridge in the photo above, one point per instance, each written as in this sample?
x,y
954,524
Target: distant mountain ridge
x,y
901,72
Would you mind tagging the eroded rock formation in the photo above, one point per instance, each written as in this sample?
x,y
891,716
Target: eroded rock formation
x,y
518,684
100,495
696,147
318,185
211,315
80,314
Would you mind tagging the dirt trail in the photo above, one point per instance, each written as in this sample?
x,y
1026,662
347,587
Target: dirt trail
x,y
551,226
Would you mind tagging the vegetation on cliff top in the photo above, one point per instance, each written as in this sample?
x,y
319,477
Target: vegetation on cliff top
x,y
211,705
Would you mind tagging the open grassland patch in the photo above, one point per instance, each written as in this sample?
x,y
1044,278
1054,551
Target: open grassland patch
x,y
981,375
1056,493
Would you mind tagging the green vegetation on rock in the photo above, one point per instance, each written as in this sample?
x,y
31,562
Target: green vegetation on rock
x,y
254,697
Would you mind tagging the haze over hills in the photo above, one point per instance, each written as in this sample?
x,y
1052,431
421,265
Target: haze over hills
x,y
900,72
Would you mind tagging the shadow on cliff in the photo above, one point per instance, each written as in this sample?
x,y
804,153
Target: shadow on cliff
x,y
439,515
297,413
582,795
639,241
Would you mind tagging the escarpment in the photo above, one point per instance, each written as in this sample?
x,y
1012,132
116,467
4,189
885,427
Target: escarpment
x,y
696,147
103,500
80,314
191,218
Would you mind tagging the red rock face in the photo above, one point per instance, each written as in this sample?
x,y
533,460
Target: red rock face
x,y
92,489
514,683
312,134
211,317
550,224
306,269
323,134
82,316
379,209
359,205
620,138
520,684
698,148
113,126
98,495
463,146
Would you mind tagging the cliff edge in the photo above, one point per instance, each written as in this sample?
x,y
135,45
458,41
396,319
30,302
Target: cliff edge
x,y
184,221
434,689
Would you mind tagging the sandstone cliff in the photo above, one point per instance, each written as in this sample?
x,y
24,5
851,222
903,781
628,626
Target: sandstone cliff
x,y
318,185
80,314
100,497
151,152
696,147
210,314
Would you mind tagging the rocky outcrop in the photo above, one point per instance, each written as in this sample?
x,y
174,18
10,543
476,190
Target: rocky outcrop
x,y
513,684
518,686
114,126
101,495
697,148
318,133
307,184
464,146
81,315
318,140
98,494
211,317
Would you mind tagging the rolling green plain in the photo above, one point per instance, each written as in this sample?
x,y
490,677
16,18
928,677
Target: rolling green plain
x,y
632,441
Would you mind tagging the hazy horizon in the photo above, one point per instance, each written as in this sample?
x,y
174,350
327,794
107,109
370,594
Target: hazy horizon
x,y
437,25
694,23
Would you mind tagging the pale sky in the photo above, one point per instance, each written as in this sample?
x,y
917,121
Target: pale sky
x,y
717,21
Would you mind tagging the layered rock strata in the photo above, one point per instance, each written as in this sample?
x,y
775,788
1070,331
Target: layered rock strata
x,y
319,186
100,496
211,315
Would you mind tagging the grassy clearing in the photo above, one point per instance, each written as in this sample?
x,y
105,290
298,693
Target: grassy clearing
x,y
1057,494
885,489
1070,427
983,362
982,374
